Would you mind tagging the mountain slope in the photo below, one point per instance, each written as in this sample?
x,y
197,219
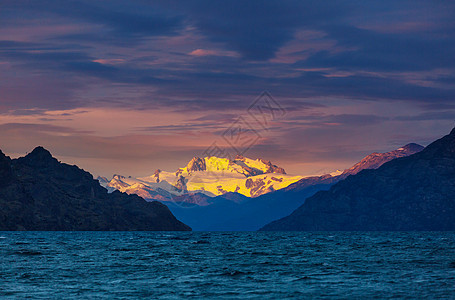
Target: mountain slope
x,y
410,193
375,160
371,161
253,213
39,193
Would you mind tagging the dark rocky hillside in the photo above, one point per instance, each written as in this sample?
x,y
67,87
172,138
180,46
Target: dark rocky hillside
x,y
409,193
37,192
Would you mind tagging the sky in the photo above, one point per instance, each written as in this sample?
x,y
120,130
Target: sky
x,y
128,87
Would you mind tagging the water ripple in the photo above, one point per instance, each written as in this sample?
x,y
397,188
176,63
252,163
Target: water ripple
x,y
250,265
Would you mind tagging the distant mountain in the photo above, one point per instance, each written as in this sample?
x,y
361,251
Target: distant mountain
x,y
375,160
37,192
212,176
234,212
371,161
409,193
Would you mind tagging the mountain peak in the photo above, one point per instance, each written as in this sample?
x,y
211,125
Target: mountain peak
x,y
40,151
408,194
442,147
375,160
2,155
37,192
272,168
196,164
39,157
411,147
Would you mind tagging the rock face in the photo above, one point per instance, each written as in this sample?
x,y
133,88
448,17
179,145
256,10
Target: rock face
x,y
157,175
273,168
196,164
409,193
253,168
39,193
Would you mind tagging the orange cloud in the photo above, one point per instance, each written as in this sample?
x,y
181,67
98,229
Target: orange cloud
x,y
204,52
109,61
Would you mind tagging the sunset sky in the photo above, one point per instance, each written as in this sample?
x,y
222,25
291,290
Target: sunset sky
x,y
132,86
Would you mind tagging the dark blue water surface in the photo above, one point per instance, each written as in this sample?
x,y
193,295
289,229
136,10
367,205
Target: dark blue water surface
x,y
226,265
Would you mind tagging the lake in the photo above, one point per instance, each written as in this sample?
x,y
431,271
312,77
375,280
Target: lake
x,y
230,265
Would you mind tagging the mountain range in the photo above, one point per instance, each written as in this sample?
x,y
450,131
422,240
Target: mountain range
x,y
416,192
235,212
37,192
211,176
405,189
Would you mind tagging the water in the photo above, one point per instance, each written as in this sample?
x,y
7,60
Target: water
x,y
227,265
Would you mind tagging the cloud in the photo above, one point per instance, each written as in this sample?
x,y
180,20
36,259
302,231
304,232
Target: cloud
x,y
428,116
256,29
218,117
355,71
109,61
375,51
355,120
200,55
184,129
322,120
204,52
120,19
42,128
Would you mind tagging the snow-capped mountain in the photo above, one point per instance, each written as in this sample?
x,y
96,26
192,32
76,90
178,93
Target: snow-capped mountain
x,y
253,213
212,176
